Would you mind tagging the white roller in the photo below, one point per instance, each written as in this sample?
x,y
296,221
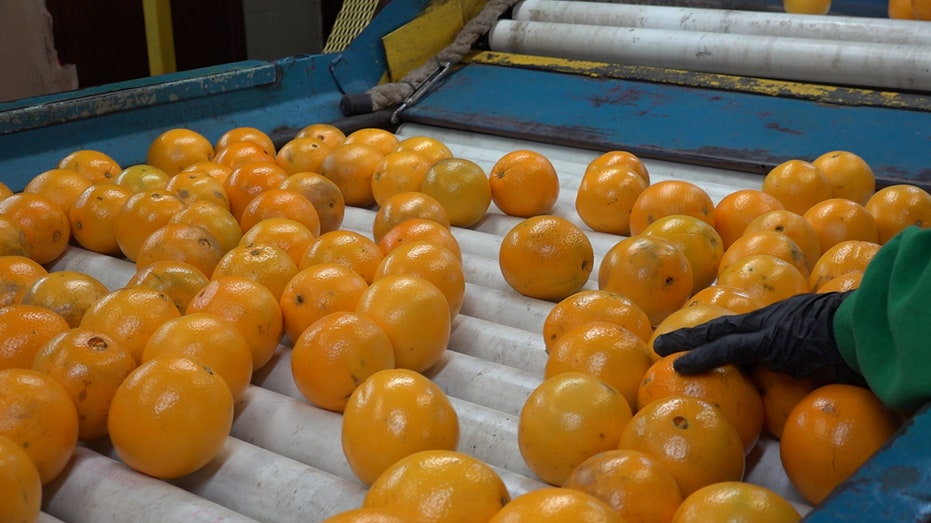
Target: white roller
x,y
112,272
505,307
46,518
506,345
863,64
483,382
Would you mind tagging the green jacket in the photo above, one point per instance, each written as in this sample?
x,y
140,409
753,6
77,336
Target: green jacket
x,y
883,329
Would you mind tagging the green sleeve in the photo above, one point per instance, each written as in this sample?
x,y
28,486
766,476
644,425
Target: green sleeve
x,y
883,330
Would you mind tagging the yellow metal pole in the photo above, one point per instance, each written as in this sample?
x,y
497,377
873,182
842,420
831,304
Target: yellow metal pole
x,y
160,40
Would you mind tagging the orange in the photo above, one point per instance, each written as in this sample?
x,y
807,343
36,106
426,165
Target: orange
x,y
829,434
45,225
367,515
12,238
351,167
921,9
280,203
792,225
419,229
175,149
323,193
246,134
62,186
218,171
268,265
838,219
546,257
404,206
68,293
462,187
215,219
619,158
637,486
5,190
142,177
179,281
39,416
236,154
345,247
810,7
434,263
399,171
727,296
736,210
90,365
556,505
650,270
318,290
96,166
414,313
208,339
779,392
17,273
725,387
129,316
898,206
766,242
845,282
184,242
196,186
736,501
691,438
289,235
797,184
24,329
93,216
441,486
594,305
604,350
850,176
689,316
524,183
670,197
606,196
334,354
248,181
568,418
301,155
383,140
844,258
432,148
20,484
140,216
250,307
392,414
698,241
900,10
770,278
170,417
327,133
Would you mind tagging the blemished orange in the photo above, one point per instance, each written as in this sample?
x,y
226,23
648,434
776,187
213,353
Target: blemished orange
x,y
725,387
606,196
594,305
90,365
237,154
845,282
419,229
604,350
844,258
328,133
729,297
141,214
335,353
170,417
218,171
898,206
142,177
196,186
323,193
689,316
383,140
850,175
770,278
24,329
17,273
49,432
66,292
209,339
345,247
440,486
318,290
179,281
45,225
736,501
415,315
62,186
290,235
651,271
12,238
392,414
399,171
367,515
620,158
797,184
129,316
215,219
184,242
249,306
301,155
524,183
268,265
351,167
462,187
556,505
766,242
839,219
248,181
637,486
405,206
736,210
93,216
691,438
699,242
20,484
779,392
96,166
246,134
670,197
792,225
546,257
568,418
432,148
434,263
175,149
829,434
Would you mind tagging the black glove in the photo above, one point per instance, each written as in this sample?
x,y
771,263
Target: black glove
x,y
794,336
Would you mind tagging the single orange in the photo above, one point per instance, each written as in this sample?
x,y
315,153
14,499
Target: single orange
x,y
383,140
45,225
248,181
556,505
140,216
844,258
462,187
689,316
68,293
280,203
345,247
5,190
736,210
900,10
797,184
246,134
184,242
196,186
524,183
327,133
839,219
619,158
236,154
780,392
736,501
807,7
96,166
20,484
898,206
215,219
12,238
301,155
178,280
175,149
323,193
142,177
399,171
921,9
218,171
367,515
766,242
289,235
17,273
727,296
419,229
850,175
62,186
268,265
432,148
699,242
404,206
93,217
843,283
670,197
351,167
792,225
24,329
606,196
594,305
434,263
770,278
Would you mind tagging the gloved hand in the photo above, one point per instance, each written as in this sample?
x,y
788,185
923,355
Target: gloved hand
x,y
794,336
